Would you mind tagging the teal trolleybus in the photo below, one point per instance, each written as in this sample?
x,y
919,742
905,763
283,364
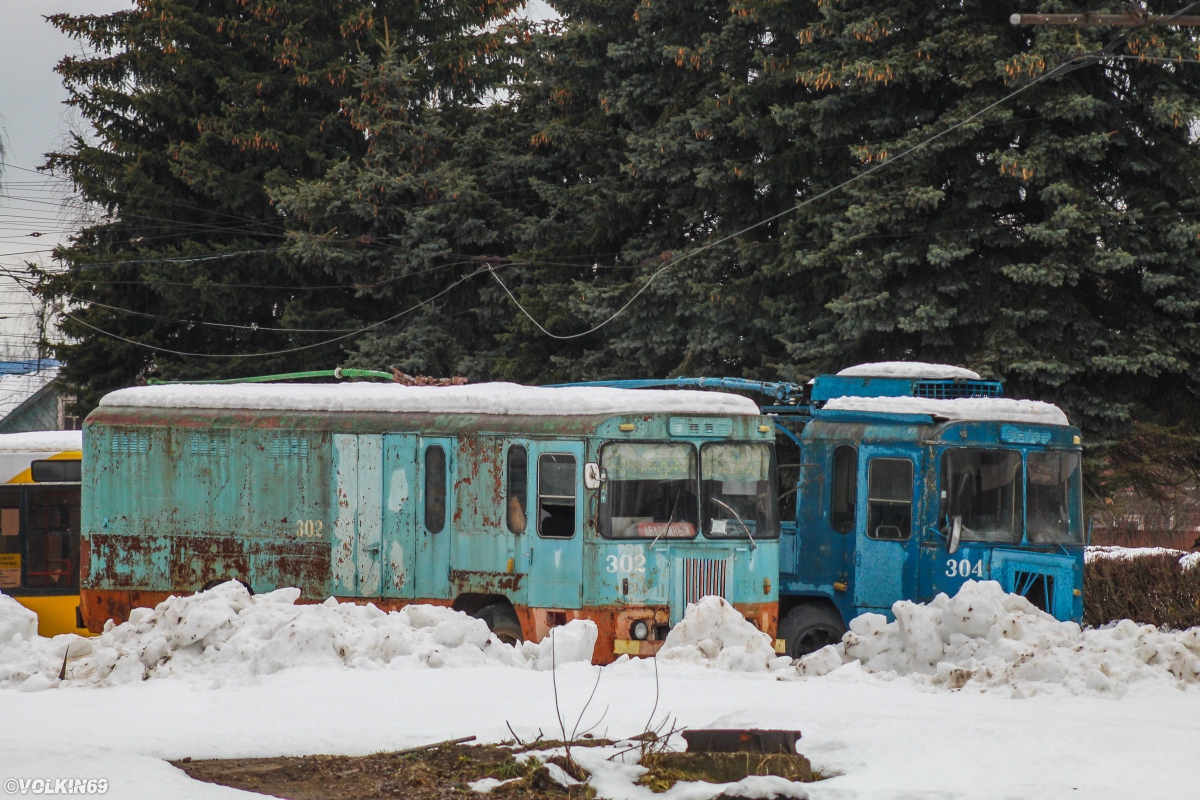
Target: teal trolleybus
x,y
526,507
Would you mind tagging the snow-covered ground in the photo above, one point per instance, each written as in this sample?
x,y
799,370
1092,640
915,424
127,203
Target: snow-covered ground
x,y
900,733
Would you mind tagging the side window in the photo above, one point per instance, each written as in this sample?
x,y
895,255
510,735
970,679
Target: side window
x,y
843,494
518,485
889,498
556,495
435,488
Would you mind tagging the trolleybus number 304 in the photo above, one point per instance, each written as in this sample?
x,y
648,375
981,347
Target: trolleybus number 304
x,y
963,568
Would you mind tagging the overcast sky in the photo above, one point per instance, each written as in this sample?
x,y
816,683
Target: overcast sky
x,y
33,120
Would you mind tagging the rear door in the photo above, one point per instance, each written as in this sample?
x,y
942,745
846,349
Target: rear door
x,y
887,525
401,515
554,534
358,473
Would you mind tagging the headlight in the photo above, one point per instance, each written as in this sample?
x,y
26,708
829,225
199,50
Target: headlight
x,y
639,630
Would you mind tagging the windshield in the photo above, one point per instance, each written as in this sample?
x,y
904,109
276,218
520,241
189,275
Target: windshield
x,y
737,484
649,490
1053,479
984,488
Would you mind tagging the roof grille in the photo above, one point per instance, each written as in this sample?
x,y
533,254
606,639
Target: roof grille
x,y
951,390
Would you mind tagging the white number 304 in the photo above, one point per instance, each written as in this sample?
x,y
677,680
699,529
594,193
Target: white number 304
x,y
963,568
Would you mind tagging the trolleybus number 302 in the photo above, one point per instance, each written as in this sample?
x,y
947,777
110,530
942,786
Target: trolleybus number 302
x,y
310,528
963,568
627,563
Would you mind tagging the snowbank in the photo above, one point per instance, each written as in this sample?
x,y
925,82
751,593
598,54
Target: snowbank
x,y
983,637
998,409
713,633
225,635
909,369
478,398
1112,552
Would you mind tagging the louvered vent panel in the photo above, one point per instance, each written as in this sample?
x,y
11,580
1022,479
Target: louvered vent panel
x,y
703,577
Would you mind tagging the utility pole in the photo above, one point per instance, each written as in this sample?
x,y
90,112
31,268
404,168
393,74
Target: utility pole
x,y
1092,19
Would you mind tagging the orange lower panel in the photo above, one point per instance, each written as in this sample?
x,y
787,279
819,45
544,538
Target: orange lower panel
x,y
100,605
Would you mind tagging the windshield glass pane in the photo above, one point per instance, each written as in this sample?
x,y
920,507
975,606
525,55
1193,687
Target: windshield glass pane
x,y
984,488
649,490
1053,479
737,485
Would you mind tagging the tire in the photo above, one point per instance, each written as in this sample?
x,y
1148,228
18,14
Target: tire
x,y
218,581
808,627
502,620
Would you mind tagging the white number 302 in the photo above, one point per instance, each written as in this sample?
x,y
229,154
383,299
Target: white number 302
x,y
627,562
963,568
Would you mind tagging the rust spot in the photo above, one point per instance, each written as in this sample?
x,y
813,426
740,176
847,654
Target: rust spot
x,y
465,581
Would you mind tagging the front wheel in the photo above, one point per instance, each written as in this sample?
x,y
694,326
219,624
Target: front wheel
x,y
502,620
810,626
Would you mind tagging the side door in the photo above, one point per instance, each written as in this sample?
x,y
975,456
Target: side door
x,y
554,534
888,507
434,512
401,514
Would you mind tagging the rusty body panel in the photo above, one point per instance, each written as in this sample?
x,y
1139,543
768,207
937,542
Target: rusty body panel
x,y
395,509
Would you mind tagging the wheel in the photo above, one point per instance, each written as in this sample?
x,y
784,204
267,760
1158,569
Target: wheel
x,y
502,621
218,581
810,626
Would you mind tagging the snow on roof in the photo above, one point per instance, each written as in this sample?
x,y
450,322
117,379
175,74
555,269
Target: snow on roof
x,y
908,369
477,398
41,441
967,408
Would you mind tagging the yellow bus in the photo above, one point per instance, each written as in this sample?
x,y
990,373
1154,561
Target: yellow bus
x,y
39,526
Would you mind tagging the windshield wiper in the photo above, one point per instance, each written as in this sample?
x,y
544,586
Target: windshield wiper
x,y
742,522
670,521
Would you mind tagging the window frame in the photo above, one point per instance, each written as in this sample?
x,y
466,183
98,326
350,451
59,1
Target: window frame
x,y
509,489
574,497
851,489
426,485
912,471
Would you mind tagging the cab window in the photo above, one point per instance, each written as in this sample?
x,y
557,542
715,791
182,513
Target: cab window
x,y
649,490
984,489
889,498
737,490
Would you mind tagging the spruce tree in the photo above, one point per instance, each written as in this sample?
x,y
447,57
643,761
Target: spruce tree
x,y
197,108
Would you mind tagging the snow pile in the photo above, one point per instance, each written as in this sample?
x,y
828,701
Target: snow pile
x,y
614,772
909,369
225,634
41,441
1112,552
476,398
714,633
997,409
983,637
